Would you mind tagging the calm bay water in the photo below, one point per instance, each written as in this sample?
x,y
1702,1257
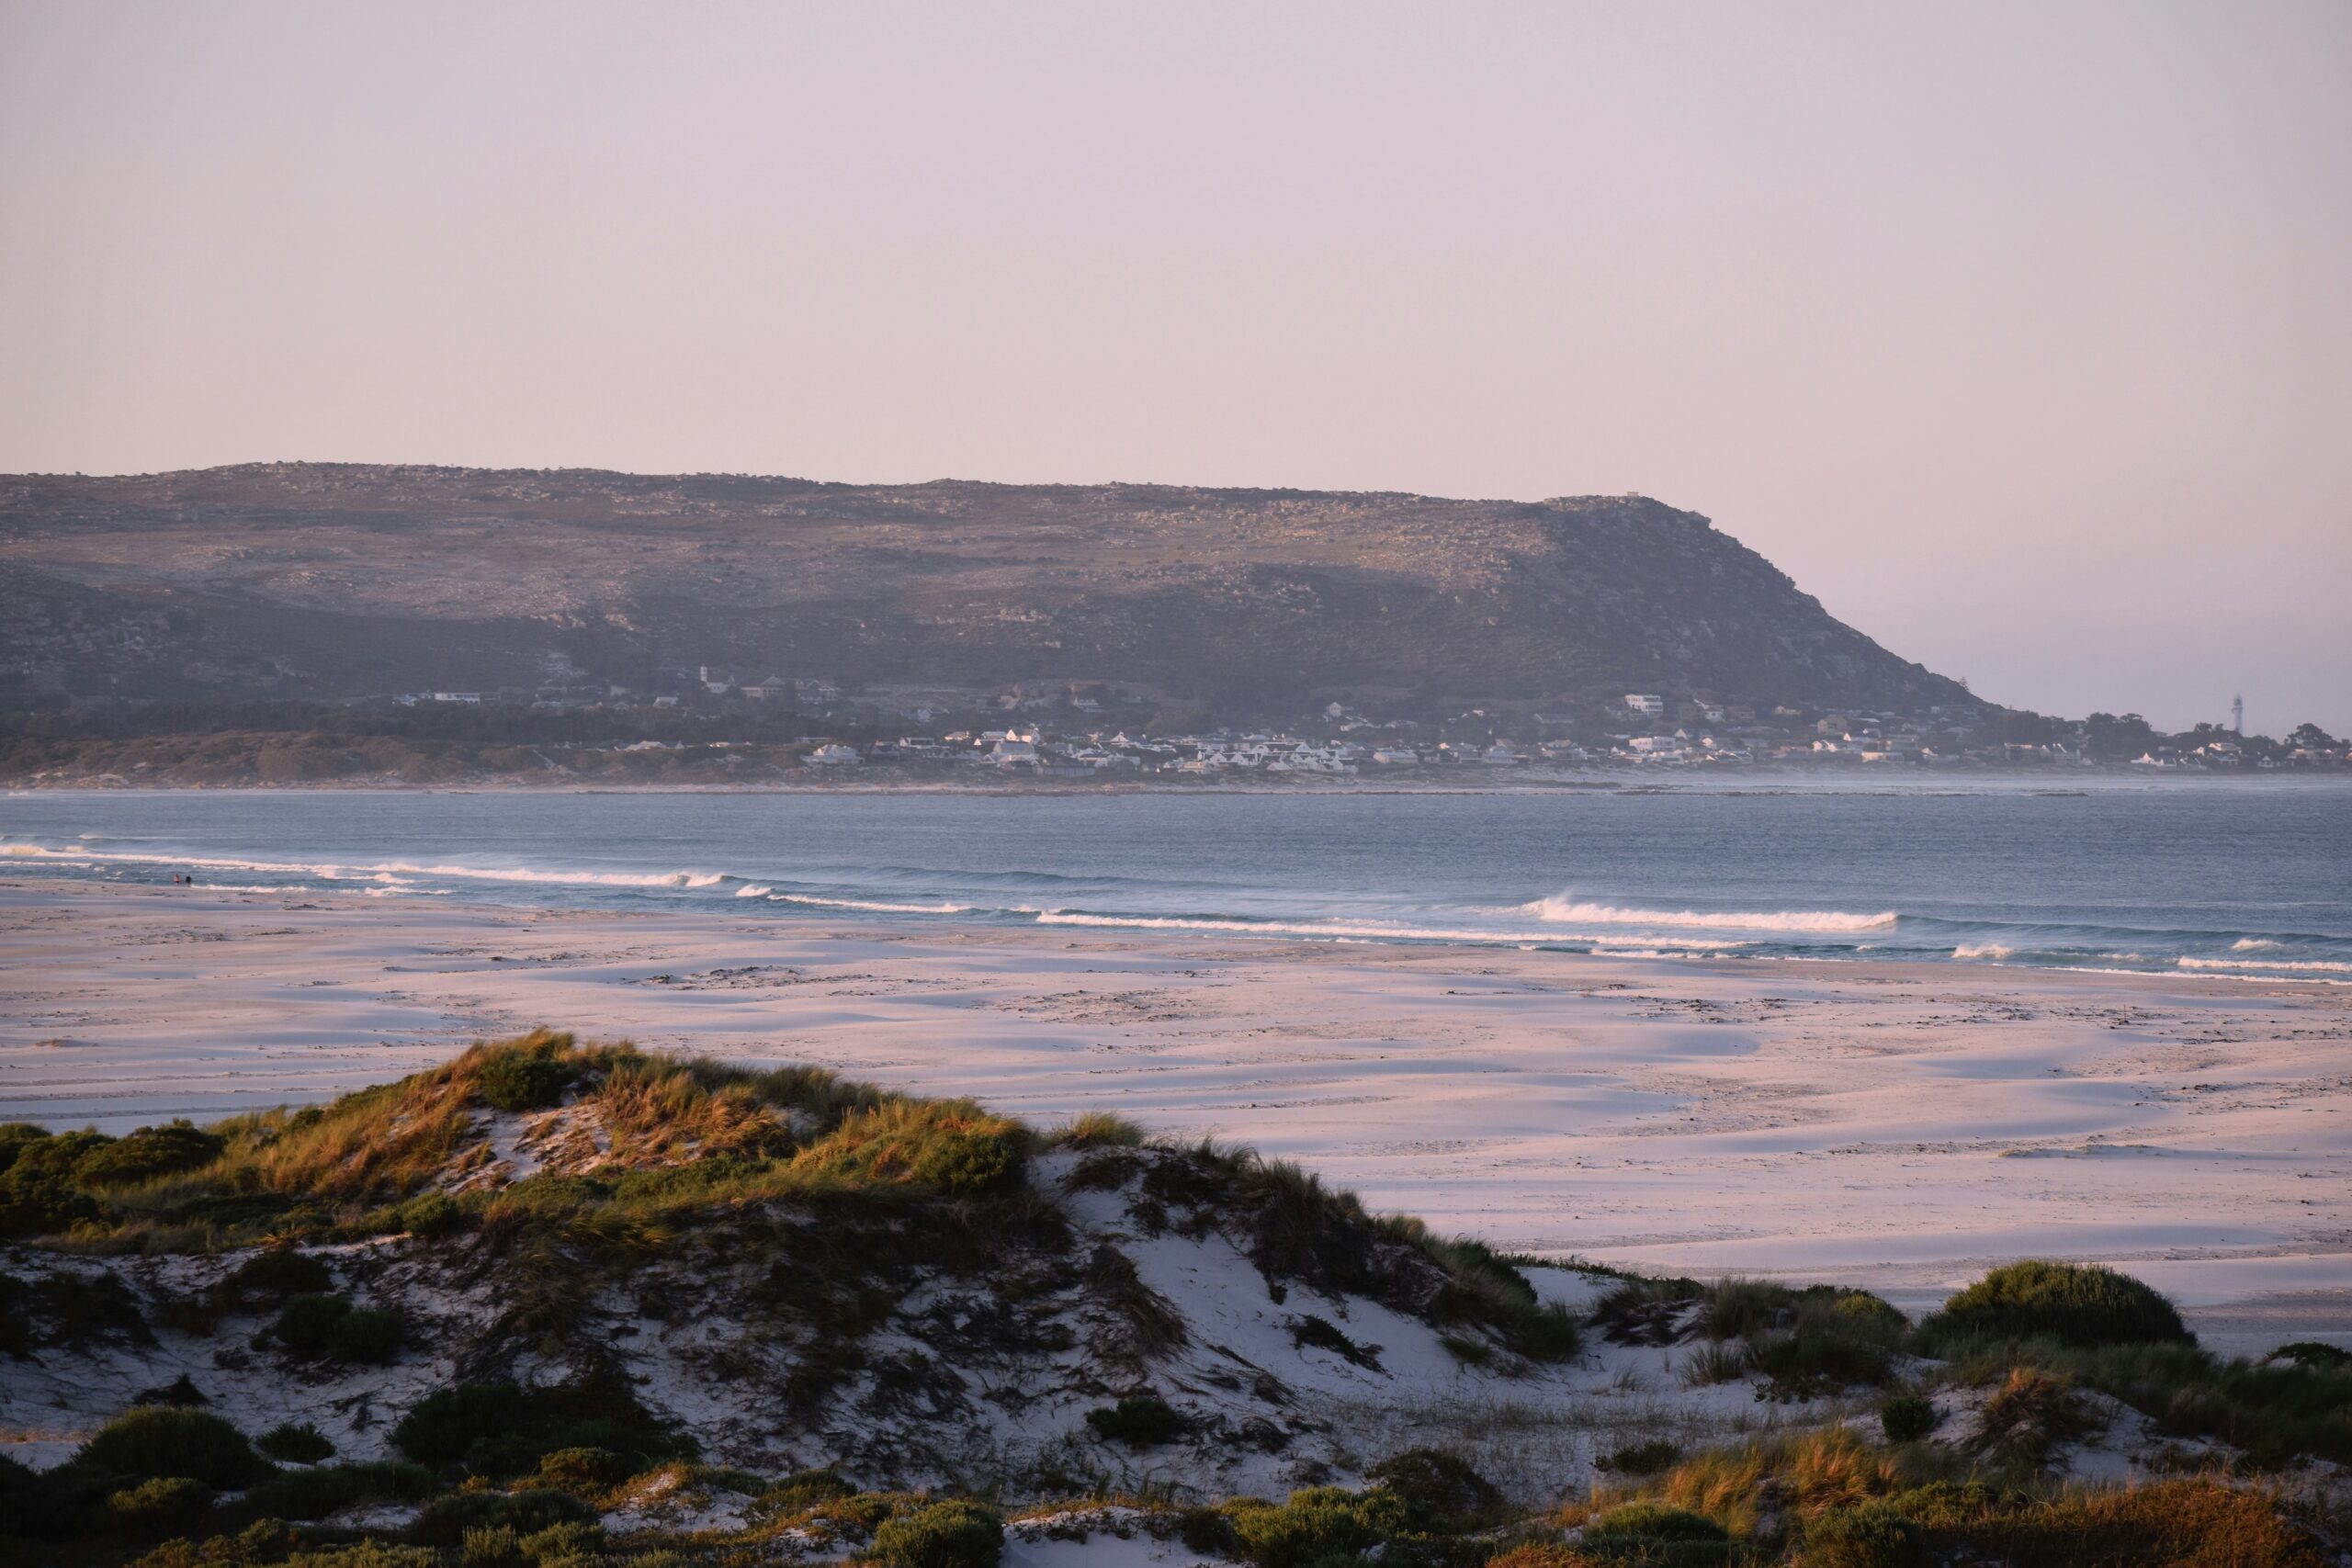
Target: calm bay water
x,y
2251,878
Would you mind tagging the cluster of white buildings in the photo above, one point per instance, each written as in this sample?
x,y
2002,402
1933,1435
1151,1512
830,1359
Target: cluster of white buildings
x,y
1025,750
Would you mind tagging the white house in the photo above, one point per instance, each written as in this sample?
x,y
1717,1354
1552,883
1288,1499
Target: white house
x,y
833,756
1649,704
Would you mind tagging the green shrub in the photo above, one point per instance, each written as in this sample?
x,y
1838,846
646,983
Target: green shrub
x,y
181,1390
954,1534
39,1194
148,1153
2075,1303
1140,1421
493,1546
1867,1535
434,1213
1641,1459
313,1493
1319,1333
445,1520
172,1440
1442,1491
1907,1417
1317,1524
804,1488
521,1079
1657,1536
2030,1415
584,1472
330,1326
369,1335
1819,1355
277,1274
306,1324
162,1502
2312,1356
1646,1311
290,1444
1715,1361
503,1428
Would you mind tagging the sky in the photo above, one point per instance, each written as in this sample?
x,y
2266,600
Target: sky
x,y
2020,334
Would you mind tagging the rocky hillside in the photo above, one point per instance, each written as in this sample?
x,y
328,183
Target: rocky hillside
x,y
548,1305
329,578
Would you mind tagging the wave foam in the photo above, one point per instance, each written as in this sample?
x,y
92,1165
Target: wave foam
x,y
939,909
1607,946
2299,965
1984,950
374,870
2256,944
1564,909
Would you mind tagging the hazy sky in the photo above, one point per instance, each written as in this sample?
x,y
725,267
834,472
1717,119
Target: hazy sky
x,y
2019,333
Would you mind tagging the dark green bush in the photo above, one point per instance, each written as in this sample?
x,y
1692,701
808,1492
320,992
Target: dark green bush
x,y
367,1336
2312,1356
1867,1535
162,1502
1641,1459
1442,1491
148,1153
1313,1332
1318,1524
2030,1415
434,1213
330,1326
805,1487
1656,1536
307,1323
955,1534
1140,1421
968,1162
445,1520
584,1472
277,1274
503,1428
1907,1417
181,1390
290,1444
39,1194
524,1080
315,1492
2075,1303
169,1439
1646,1311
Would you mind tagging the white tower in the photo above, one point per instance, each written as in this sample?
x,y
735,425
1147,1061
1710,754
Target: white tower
x,y
2237,716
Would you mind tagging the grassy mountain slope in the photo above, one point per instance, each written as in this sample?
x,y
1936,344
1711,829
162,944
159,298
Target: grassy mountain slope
x,y
354,578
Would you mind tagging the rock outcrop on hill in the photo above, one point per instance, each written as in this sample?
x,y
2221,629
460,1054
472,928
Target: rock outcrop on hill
x,y
297,579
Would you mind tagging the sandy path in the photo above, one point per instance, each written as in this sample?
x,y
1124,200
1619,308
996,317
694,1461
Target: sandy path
x,y
1898,1126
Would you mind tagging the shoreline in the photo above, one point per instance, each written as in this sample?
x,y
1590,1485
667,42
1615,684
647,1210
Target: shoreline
x,y
1893,1125
1727,780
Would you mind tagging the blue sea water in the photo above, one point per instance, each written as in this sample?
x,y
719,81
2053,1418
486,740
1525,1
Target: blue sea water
x,y
2249,878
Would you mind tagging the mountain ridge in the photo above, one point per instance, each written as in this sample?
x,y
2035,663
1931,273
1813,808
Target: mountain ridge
x,y
362,579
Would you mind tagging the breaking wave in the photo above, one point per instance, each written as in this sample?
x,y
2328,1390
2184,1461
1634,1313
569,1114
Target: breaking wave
x,y
2300,965
1984,950
1565,910
942,907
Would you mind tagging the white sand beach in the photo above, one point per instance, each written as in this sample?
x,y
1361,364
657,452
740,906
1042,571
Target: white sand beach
x,y
1895,1126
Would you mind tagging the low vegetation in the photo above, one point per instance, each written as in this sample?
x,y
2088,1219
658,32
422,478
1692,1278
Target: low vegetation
x,y
554,1169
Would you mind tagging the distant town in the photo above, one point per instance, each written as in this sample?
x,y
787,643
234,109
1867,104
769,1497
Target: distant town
x,y
713,725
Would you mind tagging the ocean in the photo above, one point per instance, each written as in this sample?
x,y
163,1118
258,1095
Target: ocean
x,y
2250,878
